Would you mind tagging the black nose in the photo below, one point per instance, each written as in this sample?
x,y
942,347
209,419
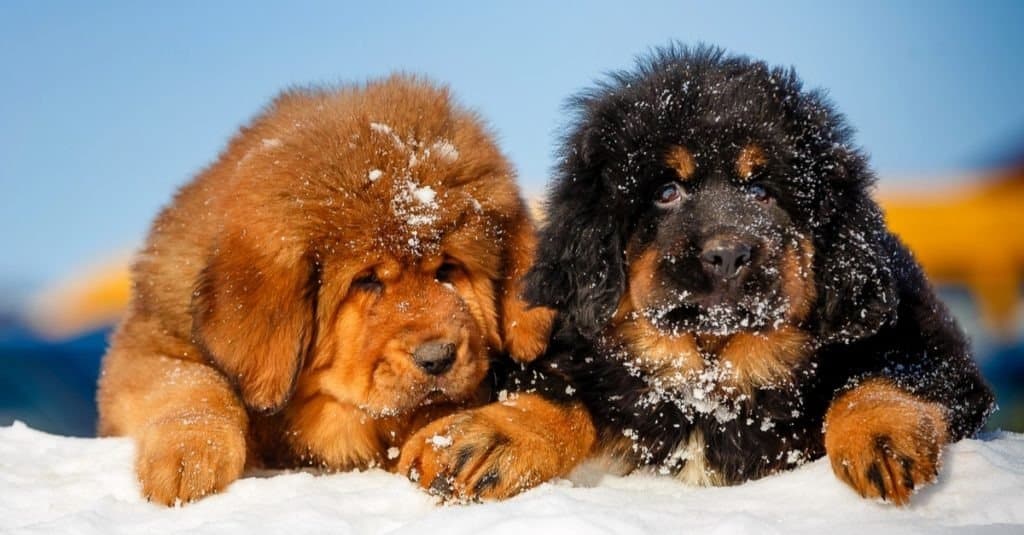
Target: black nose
x,y
725,256
435,357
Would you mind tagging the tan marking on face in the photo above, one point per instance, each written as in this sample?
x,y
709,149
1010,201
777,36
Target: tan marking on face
x,y
657,352
681,160
768,358
750,158
798,281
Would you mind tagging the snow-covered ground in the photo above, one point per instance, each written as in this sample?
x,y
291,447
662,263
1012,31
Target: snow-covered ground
x,y
52,484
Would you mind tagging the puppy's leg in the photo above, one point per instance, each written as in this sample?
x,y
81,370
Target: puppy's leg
x,y
883,441
498,450
525,329
188,425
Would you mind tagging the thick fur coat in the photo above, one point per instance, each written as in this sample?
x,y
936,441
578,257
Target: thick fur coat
x,y
730,301
342,274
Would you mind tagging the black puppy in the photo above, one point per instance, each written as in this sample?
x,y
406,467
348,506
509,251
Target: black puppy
x,y
730,301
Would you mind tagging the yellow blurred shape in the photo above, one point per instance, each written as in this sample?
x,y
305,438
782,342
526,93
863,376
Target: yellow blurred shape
x,y
972,235
93,298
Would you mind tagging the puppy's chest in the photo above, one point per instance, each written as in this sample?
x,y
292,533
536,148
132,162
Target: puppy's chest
x,y
698,423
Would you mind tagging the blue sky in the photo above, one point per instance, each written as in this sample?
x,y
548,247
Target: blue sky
x,y
107,107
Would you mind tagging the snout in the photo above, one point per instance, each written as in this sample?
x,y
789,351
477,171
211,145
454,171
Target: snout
x,y
726,257
435,357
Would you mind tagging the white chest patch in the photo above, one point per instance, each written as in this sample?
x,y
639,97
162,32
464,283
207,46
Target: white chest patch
x,y
695,464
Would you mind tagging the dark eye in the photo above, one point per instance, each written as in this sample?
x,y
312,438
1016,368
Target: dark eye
x,y
367,282
668,194
759,193
447,272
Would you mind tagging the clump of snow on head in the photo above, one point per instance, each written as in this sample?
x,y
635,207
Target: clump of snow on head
x,y
265,144
418,150
445,150
386,130
424,194
417,205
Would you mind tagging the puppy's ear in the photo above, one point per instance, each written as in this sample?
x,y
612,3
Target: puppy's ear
x,y
525,328
579,268
854,261
253,313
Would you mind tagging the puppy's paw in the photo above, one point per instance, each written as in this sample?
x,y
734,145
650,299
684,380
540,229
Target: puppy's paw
x,y
497,451
883,441
526,335
184,458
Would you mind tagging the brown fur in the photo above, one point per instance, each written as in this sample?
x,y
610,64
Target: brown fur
x,y
525,435
748,360
661,354
749,160
884,441
253,337
681,159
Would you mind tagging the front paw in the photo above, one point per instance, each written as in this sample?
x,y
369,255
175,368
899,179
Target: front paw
x,y
497,451
184,458
526,336
884,442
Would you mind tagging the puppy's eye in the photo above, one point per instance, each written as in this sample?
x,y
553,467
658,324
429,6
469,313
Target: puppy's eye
x,y
759,193
447,272
668,194
367,282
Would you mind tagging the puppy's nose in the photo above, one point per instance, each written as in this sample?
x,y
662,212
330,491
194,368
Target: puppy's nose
x,y
725,256
435,357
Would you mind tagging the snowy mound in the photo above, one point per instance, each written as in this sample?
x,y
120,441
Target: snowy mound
x,y
52,484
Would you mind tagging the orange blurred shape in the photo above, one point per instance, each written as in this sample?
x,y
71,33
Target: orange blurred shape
x,y
971,235
92,298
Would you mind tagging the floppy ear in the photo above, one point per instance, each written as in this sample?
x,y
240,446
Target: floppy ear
x,y
252,313
525,328
579,266
854,258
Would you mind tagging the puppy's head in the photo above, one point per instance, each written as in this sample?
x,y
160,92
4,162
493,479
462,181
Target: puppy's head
x,y
368,254
712,194
716,252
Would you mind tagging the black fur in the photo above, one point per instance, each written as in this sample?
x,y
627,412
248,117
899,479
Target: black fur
x,y
874,316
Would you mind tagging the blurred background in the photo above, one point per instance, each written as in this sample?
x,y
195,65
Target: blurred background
x,y
107,107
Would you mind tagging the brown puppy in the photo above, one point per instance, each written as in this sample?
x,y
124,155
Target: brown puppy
x,y
340,276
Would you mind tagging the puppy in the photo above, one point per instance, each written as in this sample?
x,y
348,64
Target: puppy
x,y
339,276
730,302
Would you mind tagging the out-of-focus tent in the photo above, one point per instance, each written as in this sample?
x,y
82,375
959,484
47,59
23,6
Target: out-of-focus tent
x,y
969,235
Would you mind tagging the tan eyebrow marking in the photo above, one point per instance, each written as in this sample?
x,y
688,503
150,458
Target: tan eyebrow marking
x,y
750,158
682,161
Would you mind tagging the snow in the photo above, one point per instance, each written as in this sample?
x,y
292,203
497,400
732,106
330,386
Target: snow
x,y
446,150
423,194
52,484
386,130
441,441
417,205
